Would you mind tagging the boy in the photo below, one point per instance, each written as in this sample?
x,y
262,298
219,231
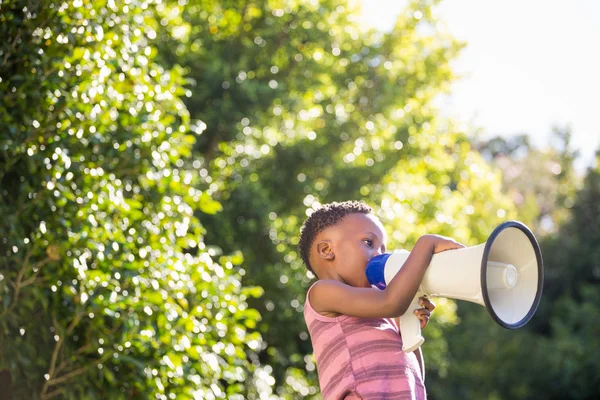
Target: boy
x,y
353,327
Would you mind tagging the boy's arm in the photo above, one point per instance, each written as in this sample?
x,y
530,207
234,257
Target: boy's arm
x,y
330,296
337,297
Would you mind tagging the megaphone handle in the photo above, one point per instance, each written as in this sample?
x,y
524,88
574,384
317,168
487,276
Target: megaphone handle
x,y
410,328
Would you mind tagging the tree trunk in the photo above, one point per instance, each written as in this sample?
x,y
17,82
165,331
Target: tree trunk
x,y
5,386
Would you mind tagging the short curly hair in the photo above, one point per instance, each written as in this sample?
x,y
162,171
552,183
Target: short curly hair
x,y
325,216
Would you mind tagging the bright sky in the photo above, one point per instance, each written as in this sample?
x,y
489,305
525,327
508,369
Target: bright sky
x,y
528,65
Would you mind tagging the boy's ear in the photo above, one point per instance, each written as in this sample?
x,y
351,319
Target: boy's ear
x,y
324,250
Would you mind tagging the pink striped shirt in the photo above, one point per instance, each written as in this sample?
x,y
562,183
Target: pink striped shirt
x,y
362,358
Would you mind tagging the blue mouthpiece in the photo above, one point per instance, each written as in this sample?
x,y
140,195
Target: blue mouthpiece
x,y
375,270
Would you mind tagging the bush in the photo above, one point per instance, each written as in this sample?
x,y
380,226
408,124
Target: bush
x,y
108,289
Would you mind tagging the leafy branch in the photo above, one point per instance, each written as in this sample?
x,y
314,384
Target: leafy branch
x,y
19,283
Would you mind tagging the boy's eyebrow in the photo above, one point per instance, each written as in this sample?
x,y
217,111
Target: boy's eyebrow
x,y
375,235
382,239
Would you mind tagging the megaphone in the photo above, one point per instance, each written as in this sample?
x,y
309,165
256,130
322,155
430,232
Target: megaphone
x,y
505,275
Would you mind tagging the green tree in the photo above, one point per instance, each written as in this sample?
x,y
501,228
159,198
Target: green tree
x,y
554,356
541,182
108,288
301,105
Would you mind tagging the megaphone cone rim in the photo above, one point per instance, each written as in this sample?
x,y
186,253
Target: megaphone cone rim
x,y
540,283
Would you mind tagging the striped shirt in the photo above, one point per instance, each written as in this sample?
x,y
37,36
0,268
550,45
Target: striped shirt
x,y
362,358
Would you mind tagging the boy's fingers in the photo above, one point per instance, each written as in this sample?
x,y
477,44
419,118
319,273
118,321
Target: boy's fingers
x,y
425,303
422,313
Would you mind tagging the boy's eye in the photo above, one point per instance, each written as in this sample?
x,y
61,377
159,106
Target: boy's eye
x,y
368,242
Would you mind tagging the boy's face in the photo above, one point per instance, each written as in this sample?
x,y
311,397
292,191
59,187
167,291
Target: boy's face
x,y
354,241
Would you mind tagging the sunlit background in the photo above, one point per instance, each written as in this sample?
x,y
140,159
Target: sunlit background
x,y
158,159
528,65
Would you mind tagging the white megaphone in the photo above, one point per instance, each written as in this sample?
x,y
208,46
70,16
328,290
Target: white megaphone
x,y
505,274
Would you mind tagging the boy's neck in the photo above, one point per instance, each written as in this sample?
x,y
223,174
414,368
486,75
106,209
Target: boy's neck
x,y
329,274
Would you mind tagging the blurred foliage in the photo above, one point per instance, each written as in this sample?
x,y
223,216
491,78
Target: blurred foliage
x,y
541,182
107,287
300,106
157,159
555,355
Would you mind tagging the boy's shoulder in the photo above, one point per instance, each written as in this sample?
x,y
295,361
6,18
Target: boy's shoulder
x,y
320,293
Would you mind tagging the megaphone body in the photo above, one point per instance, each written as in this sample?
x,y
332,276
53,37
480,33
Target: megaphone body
x,y
505,275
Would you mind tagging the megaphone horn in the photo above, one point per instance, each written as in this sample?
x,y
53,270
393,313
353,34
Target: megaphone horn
x,y
505,275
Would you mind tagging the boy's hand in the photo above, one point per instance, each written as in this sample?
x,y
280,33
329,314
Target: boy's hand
x,y
424,313
442,243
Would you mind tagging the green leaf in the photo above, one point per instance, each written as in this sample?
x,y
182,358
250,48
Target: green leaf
x,y
209,206
253,291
